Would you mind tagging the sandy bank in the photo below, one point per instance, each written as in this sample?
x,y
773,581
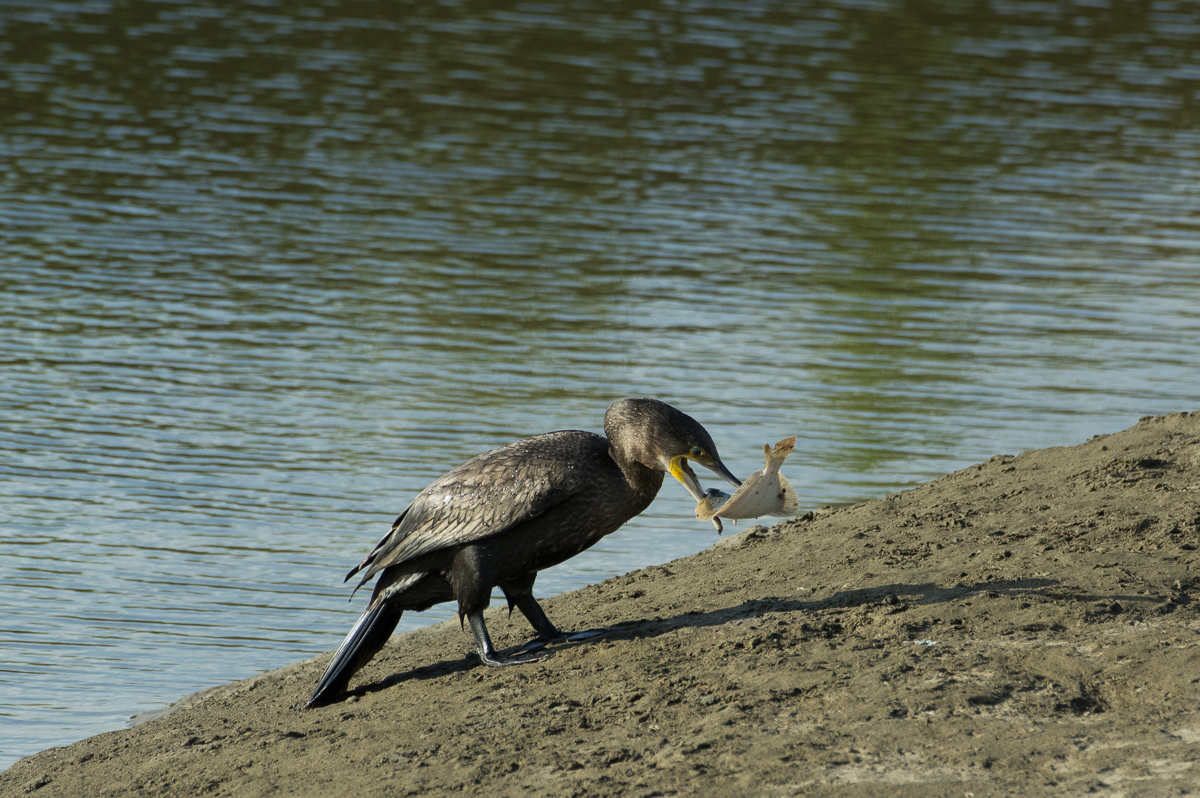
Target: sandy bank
x,y
1028,625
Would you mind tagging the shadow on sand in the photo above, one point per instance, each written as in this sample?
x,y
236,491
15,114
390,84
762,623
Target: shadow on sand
x,y
911,594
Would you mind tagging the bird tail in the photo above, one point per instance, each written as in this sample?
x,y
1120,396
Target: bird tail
x,y
364,641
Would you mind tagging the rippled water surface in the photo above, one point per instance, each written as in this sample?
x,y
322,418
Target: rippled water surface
x,y
270,268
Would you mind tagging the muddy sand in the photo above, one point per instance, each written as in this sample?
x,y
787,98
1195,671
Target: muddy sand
x,y
1026,626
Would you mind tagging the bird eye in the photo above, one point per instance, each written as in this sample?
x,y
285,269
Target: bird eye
x,y
697,452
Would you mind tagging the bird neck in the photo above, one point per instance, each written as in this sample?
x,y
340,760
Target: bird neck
x,y
643,480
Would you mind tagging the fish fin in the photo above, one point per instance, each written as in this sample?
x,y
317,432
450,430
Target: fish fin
x,y
791,502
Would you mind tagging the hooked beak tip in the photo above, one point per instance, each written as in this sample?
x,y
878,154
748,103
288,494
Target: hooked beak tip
x,y
724,473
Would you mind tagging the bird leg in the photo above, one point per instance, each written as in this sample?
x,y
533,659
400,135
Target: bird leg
x,y
547,632
487,652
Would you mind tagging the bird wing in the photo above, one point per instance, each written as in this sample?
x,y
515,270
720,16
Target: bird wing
x,y
487,495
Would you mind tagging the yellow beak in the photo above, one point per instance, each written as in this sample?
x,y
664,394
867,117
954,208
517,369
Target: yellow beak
x,y
680,469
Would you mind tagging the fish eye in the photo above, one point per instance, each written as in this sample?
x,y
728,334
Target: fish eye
x,y
697,452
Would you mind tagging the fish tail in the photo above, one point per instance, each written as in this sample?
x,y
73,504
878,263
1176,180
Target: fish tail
x,y
785,446
776,457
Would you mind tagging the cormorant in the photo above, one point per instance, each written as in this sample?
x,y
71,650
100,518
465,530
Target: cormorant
x,y
500,517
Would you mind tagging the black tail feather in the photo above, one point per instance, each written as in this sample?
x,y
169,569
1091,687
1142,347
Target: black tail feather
x,y
364,641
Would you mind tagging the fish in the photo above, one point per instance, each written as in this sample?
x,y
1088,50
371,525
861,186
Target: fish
x,y
713,499
765,492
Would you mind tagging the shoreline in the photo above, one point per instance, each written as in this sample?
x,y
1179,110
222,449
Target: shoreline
x,y
1025,624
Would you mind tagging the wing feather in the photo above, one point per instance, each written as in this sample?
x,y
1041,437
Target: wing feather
x,y
487,495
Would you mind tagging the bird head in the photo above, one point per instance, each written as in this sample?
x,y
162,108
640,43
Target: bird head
x,y
660,437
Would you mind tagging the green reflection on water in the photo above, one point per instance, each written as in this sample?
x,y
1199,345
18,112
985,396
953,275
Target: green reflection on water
x,y
528,193
271,267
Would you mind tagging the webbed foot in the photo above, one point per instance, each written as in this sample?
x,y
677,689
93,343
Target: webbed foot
x,y
487,652
559,636
585,634
522,657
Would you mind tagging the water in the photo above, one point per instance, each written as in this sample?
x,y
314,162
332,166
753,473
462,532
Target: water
x,y
269,269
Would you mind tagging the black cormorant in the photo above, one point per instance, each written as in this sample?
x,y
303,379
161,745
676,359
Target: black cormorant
x,y
499,518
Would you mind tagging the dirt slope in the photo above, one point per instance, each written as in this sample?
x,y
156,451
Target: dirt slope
x,y
1026,626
